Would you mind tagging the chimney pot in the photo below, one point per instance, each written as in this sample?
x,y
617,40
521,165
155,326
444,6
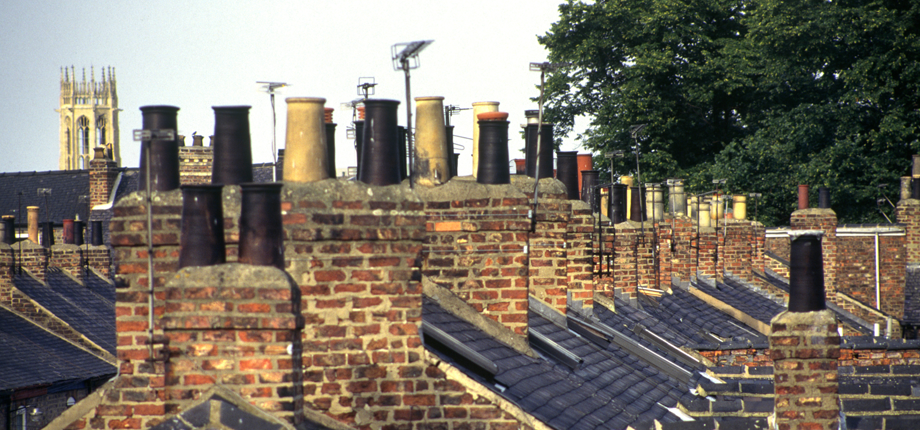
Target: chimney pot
x,y
305,157
202,239
33,223
806,272
68,232
803,196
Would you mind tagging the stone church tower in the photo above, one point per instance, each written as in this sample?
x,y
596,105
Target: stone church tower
x,y
89,118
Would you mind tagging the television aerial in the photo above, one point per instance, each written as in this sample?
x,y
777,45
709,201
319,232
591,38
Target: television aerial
x,y
270,88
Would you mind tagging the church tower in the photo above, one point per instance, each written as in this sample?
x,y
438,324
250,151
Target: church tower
x,y
89,118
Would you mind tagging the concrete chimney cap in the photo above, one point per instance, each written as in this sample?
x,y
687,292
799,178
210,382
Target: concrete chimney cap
x,y
793,234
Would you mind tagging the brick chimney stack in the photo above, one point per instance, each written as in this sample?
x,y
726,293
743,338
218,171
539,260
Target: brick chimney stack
x,y
102,175
805,345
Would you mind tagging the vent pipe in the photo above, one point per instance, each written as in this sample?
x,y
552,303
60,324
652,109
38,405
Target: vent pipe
x,y
97,233
449,150
164,154
305,156
330,141
803,196
380,148
567,172
48,234
359,140
78,227
279,165
493,149
67,232
232,146
402,152
806,271
432,164
9,229
202,239
824,198
261,230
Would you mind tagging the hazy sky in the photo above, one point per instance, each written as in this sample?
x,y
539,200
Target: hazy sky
x,y
196,54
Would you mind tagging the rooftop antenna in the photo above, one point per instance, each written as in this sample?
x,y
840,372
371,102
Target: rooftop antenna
x,y
366,86
542,68
141,136
451,110
405,58
270,88
353,105
45,192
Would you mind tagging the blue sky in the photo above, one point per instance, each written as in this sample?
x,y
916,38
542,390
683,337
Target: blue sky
x,y
196,54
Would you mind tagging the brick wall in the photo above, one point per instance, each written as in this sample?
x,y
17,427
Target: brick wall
x,y
195,164
67,257
239,326
354,252
856,271
805,348
579,256
908,214
682,253
706,244
737,253
99,258
778,244
32,257
475,245
102,176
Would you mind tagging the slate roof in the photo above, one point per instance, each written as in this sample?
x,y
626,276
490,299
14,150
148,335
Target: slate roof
x,y
610,389
66,188
33,356
743,299
694,318
844,316
88,309
625,318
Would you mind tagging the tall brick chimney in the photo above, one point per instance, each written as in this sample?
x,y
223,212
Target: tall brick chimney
x,y
805,345
102,175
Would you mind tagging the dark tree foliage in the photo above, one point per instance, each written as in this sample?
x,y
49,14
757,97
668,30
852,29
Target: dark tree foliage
x,y
767,94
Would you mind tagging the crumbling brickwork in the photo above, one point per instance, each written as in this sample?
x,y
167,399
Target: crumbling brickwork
x,y
908,214
805,348
476,243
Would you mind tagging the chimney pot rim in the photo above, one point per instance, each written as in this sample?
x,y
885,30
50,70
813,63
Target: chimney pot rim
x,y
797,233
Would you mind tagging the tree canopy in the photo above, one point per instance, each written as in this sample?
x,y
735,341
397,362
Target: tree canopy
x,y
767,94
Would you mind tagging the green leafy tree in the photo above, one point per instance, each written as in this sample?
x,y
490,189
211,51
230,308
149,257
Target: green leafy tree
x,y
767,94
